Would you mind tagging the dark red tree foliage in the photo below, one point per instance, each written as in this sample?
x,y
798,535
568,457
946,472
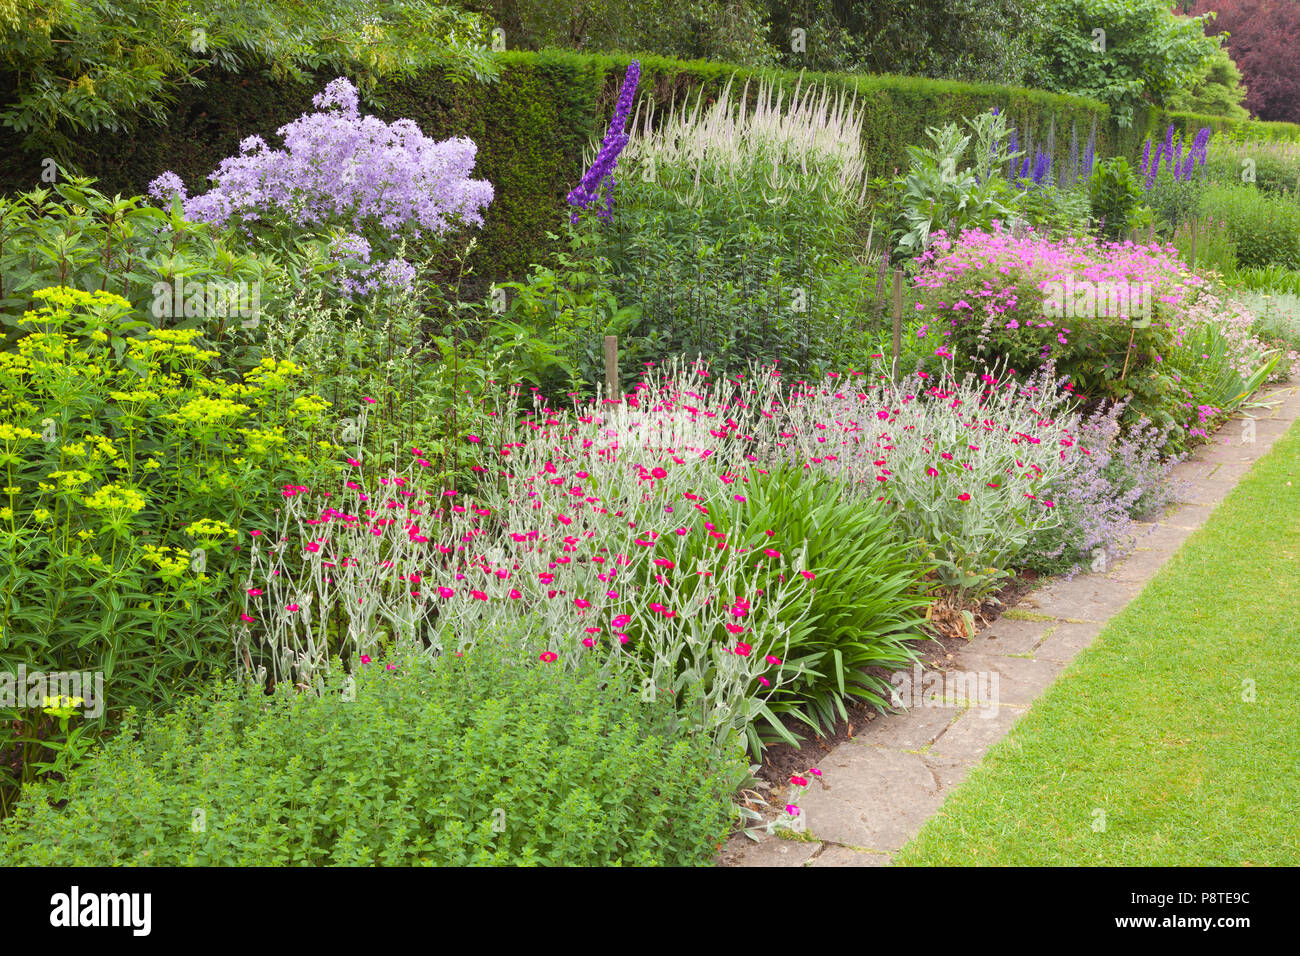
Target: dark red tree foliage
x,y
1265,45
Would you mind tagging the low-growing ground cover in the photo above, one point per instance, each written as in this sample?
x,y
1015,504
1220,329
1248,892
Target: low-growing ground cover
x,y
472,761
1176,724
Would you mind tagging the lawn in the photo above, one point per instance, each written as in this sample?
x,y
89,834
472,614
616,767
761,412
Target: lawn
x,y
1173,740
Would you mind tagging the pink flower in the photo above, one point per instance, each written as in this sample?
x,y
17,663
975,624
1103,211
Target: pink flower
x,y
291,607
772,552
365,658
963,497
255,592
808,574
814,771
445,592
774,661
743,649
799,781
515,595
247,618
548,657
623,620
791,809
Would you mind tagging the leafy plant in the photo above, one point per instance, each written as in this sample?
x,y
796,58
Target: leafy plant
x,y
485,760
130,470
1265,228
938,194
1115,193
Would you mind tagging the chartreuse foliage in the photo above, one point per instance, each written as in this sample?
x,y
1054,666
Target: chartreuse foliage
x,y
466,760
129,471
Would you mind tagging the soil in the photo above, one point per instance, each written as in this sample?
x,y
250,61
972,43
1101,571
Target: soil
x,y
780,761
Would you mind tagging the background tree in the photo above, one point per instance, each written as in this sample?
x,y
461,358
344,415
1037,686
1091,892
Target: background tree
x,y
1216,90
991,40
105,65
1263,37
733,31
1123,52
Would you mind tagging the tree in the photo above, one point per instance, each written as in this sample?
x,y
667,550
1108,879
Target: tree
x,y
1263,37
1123,52
990,40
1216,90
729,30
104,65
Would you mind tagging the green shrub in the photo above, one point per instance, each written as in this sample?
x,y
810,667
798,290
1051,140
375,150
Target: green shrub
x,y
1055,212
472,760
1274,279
1116,197
1272,166
1265,228
725,258
130,468
1277,315
73,235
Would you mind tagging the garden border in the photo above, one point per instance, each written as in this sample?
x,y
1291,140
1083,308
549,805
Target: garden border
x,y
877,789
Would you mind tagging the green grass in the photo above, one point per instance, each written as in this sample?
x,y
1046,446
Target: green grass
x,y
1150,725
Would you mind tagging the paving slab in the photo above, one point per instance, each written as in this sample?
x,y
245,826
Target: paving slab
x,y
1006,680
870,797
1140,566
1010,636
740,850
913,730
1189,516
1203,491
843,856
948,771
1064,643
1086,597
973,734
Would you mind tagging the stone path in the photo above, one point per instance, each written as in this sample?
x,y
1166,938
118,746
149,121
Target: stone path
x,y
878,788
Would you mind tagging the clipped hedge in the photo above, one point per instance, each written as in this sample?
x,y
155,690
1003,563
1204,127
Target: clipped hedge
x,y
532,128
533,125
473,760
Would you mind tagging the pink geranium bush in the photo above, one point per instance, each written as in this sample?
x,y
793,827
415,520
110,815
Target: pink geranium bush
x,y
1105,314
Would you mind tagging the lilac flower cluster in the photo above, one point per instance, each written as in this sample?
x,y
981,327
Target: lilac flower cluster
x,y
1179,165
602,168
365,278
340,167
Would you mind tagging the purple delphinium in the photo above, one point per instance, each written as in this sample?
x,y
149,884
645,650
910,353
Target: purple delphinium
x,y
1090,153
1155,166
602,168
1042,167
1013,149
